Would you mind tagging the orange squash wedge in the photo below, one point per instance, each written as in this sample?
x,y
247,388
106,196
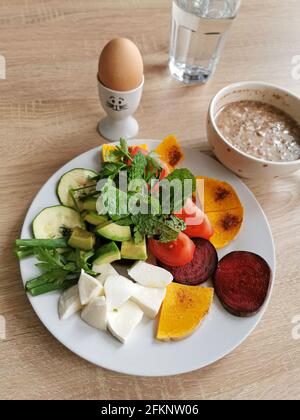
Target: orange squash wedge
x,y
183,310
219,195
223,208
227,225
170,152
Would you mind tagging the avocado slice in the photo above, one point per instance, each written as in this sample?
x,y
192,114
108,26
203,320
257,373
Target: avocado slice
x,y
107,254
90,204
95,219
114,232
82,239
132,251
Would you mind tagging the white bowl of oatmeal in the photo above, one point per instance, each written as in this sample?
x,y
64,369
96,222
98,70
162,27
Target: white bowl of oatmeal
x,y
254,129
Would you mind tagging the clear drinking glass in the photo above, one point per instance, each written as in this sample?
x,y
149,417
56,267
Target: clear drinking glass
x,y
199,30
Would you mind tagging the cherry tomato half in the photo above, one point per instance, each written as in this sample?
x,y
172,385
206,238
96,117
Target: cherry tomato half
x,y
198,224
165,172
191,214
175,254
134,150
204,230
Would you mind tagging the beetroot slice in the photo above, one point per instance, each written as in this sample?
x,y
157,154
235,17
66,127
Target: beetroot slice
x,y
242,282
201,269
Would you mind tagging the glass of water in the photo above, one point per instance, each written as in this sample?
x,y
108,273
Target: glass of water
x,y
199,30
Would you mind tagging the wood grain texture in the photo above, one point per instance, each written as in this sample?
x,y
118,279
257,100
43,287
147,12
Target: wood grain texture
x,y
49,110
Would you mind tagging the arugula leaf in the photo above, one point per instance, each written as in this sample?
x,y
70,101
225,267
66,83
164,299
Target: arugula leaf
x,y
82,261
120,154
55,276
59,271
154,167
50,259
110,170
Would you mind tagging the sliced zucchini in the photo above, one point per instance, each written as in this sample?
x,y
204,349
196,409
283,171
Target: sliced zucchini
x,y
49,222
114,232
77,178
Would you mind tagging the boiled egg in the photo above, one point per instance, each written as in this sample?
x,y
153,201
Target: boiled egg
x,y
121,65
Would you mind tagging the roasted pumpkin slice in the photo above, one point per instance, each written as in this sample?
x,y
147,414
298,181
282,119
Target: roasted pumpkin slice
x,y
107,149
183,310
170,152
219,195
226,224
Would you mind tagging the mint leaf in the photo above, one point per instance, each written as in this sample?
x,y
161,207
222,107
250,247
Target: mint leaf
x,y
182,175
174,202
137,168
163,228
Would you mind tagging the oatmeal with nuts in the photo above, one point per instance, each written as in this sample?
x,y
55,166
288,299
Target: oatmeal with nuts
x,y
260,130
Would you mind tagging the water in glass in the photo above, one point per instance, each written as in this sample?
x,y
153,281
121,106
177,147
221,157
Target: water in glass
x,y
199,30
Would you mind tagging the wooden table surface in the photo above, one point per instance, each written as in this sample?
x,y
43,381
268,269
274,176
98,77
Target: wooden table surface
x,y
49,110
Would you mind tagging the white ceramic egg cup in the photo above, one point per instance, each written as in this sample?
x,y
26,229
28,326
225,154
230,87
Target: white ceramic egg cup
x,y
119,106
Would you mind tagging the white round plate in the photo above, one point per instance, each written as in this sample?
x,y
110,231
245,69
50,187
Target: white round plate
x,y
219,334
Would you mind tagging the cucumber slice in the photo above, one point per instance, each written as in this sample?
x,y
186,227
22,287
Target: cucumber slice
x,y
77,178
114,232
48,223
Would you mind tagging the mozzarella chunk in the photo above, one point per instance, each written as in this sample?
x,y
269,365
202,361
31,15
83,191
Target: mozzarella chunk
x,y
104,270
95,313
69,303
150,275
89,288
122,322
118,290
148,299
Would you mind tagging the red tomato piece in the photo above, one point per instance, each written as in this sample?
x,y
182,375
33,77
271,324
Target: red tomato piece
x,y
175,254
204,230
191,214
165,172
